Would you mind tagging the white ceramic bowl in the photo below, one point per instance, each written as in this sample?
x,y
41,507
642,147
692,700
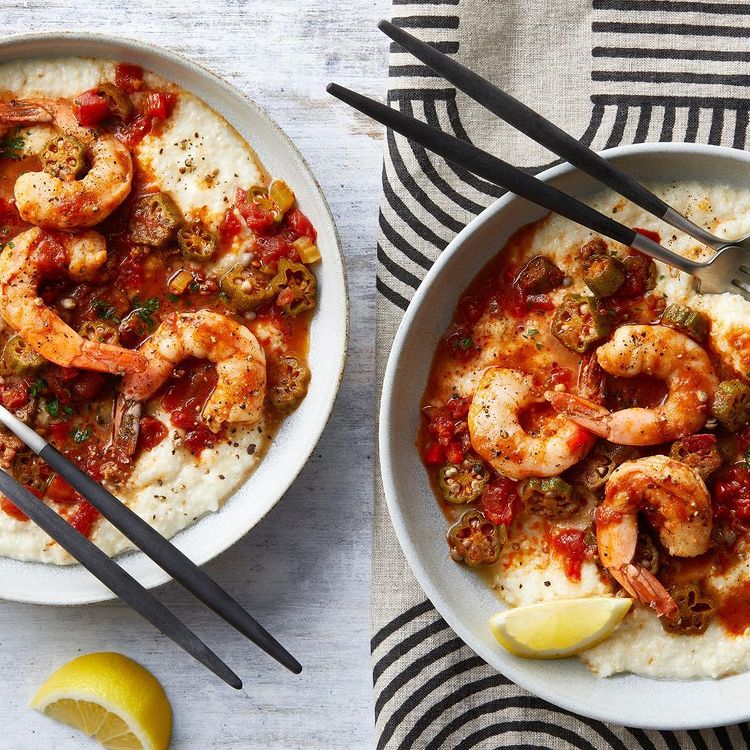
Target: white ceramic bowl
x,y
458,594
292,446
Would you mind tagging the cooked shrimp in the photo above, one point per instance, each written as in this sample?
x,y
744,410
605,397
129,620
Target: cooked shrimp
x,y
674,500
56,203
498,436
23,264
662,353
240,366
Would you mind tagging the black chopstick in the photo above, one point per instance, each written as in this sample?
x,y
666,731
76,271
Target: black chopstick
x,y
526,120
494,169
114,577
152,543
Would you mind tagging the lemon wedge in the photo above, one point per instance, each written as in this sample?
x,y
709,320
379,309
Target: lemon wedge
x,y
110,698
560,627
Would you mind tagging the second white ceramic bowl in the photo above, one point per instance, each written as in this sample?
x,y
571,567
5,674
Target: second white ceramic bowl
x,y
458,594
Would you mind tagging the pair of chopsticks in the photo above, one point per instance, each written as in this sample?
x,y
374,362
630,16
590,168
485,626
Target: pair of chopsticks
x,y
151,542
502,173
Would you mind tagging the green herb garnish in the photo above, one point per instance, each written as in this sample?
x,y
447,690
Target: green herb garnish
x,y
105,311
11,147
145,310
81,435
37,387
53,407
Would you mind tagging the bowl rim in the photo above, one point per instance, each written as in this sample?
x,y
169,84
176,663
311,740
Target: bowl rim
x,y
160,55
512,667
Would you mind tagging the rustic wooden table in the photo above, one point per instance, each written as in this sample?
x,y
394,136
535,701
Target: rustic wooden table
x,y
305,570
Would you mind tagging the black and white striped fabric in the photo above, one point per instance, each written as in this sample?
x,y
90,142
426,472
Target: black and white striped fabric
x,y
612,72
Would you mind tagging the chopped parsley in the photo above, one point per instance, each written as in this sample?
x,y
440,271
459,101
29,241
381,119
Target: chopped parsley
x,y
11,147
67,410
52,406
465,344
80,435
145,310
37,387
173,297
104,311
747,456
194,286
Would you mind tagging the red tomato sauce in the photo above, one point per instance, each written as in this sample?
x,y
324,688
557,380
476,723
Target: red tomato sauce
x,y
734,609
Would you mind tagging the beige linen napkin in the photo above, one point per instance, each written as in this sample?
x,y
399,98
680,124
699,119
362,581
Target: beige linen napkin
x,y
611,72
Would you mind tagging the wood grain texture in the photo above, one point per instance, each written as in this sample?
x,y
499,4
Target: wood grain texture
x,y
305,570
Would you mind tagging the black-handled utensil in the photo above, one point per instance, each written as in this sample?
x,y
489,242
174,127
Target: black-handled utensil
x,y
114,577
500,172
726,271
152,543
547,134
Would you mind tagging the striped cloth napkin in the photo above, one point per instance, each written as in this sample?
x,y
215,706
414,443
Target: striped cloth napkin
x,y
612,72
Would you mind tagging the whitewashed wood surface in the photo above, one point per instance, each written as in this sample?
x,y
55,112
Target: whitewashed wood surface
x,y
305,570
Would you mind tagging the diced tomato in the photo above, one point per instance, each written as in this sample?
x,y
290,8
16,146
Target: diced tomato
x,y
60,491
270,249
257,217
300,224
129,77
185,399
90,108
151,432
159,105
731,494
458,407
49,255
130,273
454,452
499,501
134,131
570,544
83,518
434,454
230,225
655,236
441,427
9,508
14,395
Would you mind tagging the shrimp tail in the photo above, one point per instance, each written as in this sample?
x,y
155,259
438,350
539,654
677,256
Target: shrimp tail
x,y
126,424
108,358
646,588
19,112
581,410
